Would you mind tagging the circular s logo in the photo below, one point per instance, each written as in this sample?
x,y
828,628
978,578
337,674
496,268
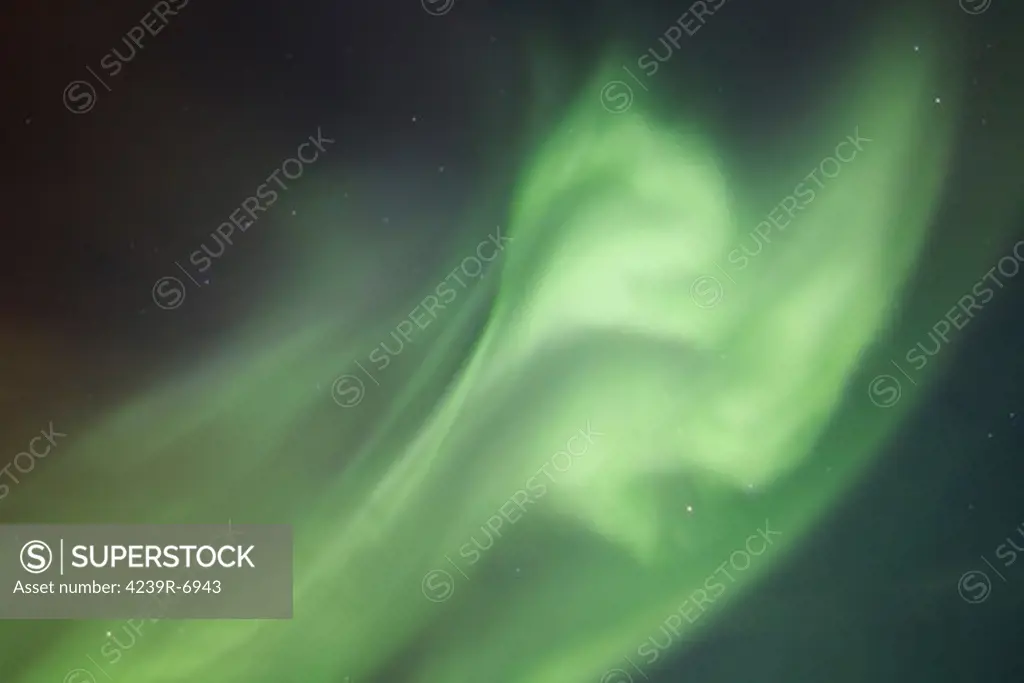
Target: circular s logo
x,y
348,391
36,557
975,6
616,676
79,97
438,585
974,586
884,391
706,291
437,8
79,676
616,97
168,293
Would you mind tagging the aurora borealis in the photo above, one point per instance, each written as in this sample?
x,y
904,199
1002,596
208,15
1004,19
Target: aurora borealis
x,y
559,470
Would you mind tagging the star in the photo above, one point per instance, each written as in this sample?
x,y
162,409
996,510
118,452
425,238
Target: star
x,y
938,100
414,119
689,508
917,48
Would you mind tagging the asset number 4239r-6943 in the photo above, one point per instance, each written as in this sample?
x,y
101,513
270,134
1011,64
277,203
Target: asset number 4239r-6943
x,y
171,587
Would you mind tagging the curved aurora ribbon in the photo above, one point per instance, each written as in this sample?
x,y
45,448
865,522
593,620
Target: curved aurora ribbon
x,y
704,420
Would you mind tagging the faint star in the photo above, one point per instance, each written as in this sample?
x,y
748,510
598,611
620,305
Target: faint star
x,y
440,169
917,48
990,435
293,212
414,119
108,634
288,55
386,219
689,508
938,100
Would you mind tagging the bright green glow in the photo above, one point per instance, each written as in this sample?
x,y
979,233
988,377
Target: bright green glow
x,y
593,322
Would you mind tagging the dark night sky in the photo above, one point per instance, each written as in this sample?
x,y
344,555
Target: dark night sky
x,y
99,205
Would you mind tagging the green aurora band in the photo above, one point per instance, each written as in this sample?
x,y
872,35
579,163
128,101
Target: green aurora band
x,y
591,320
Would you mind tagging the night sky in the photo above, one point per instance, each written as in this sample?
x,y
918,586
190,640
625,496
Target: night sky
x,y
432,111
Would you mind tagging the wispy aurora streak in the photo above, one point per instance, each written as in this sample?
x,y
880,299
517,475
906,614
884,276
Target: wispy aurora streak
x,y
593,322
